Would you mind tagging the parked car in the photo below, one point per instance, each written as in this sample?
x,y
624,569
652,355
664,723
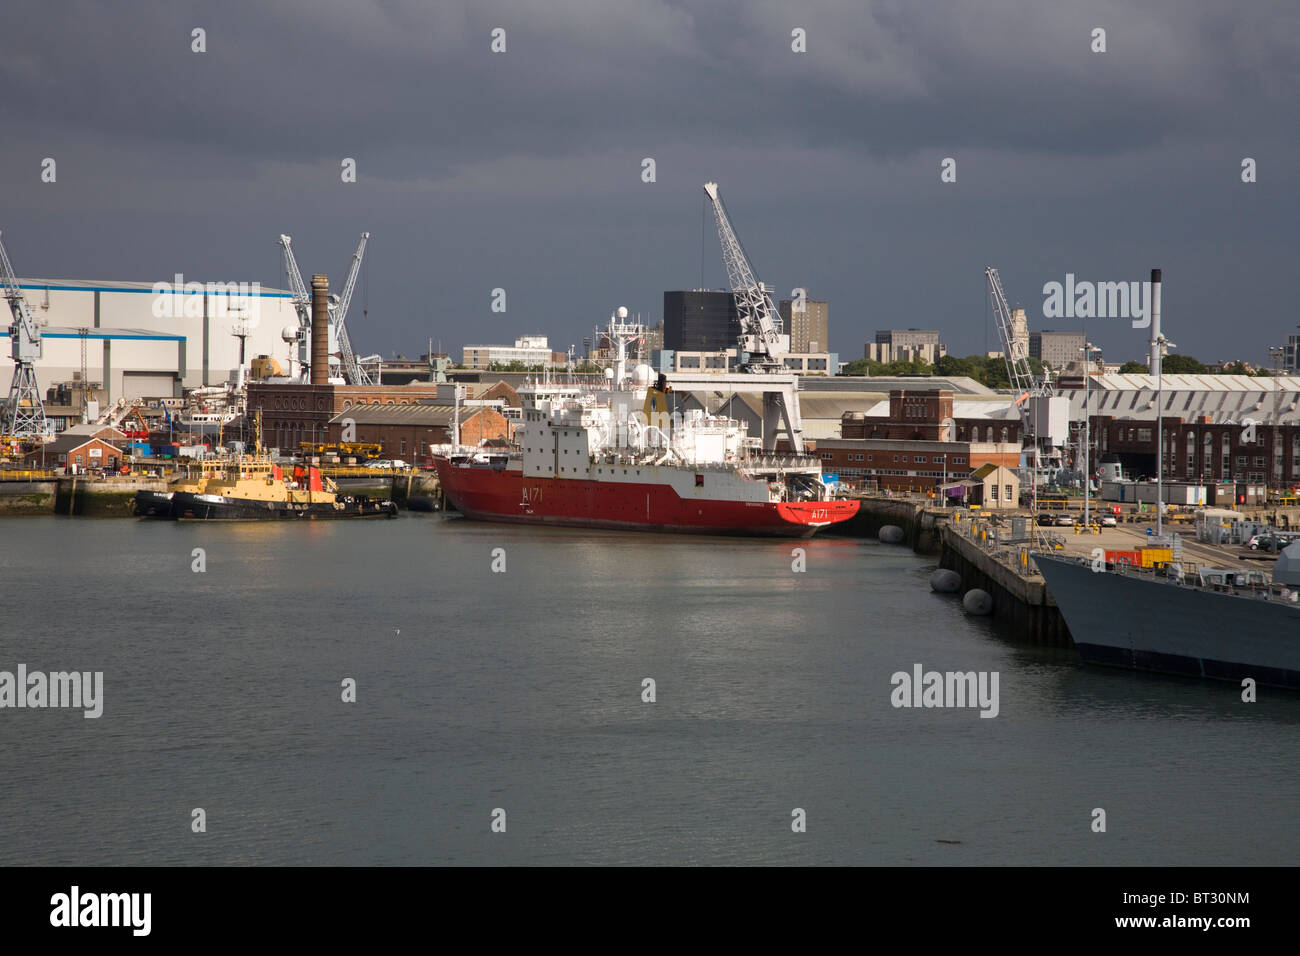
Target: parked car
x,y
1108,521
1045,520
1064,521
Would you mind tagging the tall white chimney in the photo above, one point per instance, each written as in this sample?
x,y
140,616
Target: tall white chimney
x,y
1153,359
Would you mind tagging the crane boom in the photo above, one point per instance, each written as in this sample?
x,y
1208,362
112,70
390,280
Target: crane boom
x,y
301,298
760,331
23,414
353,371
1019,373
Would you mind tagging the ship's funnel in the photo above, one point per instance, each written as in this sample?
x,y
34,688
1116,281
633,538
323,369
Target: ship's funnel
x,y
1153,361
320,330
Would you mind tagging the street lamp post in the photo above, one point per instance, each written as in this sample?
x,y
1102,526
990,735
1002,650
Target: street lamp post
x,y
1276,353
1088,350
1163,345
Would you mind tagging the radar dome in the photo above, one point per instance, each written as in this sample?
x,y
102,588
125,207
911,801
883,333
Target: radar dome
x,y
642,375
609,374
289,333
622,312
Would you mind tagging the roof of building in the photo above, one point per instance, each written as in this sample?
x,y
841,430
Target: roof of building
x,y
92,429
66,443
1265,400
417,414
113,285
1188,382
881,384
63,332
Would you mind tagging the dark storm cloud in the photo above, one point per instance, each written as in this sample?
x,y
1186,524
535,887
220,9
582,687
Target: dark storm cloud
x,y
521,170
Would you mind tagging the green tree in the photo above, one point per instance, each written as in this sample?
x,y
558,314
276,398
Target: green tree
x,y
860,366
1133,368
953,366
1182,365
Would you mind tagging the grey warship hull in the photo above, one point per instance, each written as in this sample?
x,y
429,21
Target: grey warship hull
x,y
1143,622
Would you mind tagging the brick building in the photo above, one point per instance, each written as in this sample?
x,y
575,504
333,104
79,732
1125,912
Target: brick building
x,y
81,452
298,412
919,415
906,465
409,431
1201,450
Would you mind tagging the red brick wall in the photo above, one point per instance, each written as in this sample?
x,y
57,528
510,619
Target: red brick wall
x,y
844,461
410,442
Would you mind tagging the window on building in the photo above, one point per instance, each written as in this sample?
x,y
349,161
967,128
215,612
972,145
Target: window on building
x,y
993,491
1144,434
1008,492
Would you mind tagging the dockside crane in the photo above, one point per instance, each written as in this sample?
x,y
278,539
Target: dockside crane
x,y
301,296
760,331
1023,381
23,415
1019,373
760,336
353,371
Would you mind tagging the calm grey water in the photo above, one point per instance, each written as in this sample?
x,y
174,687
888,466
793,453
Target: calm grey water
x,y
522,691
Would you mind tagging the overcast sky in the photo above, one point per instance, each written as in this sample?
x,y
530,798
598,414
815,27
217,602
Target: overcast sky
x,y
522,170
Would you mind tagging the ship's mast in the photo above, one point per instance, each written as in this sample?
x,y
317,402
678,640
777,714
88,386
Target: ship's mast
x,y
621,333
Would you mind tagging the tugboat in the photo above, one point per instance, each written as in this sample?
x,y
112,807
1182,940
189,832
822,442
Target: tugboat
x,y
252,487
258,489
158,504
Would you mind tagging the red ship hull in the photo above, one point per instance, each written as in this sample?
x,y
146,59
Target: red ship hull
x,y
489,494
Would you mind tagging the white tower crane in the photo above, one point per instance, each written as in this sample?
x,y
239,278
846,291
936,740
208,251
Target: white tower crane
x,y
760,331
23,414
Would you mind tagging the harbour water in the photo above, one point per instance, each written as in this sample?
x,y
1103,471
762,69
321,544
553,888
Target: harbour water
x,y
522,690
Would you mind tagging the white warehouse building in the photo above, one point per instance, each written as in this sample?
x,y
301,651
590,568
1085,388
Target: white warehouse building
x,y
143,340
